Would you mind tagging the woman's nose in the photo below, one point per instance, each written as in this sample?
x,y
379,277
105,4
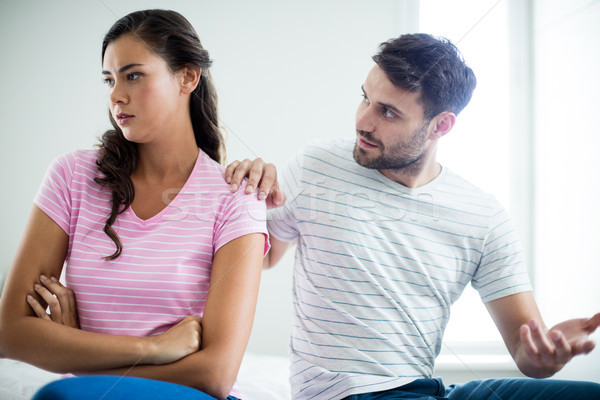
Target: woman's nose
x,y
118,94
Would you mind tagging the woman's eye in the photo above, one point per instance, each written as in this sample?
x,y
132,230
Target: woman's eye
x,y
365,99
108,81
133,76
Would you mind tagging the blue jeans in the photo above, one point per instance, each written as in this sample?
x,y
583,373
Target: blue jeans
x,y
117,388
490,389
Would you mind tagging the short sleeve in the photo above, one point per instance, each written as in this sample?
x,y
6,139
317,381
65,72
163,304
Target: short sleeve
x,y
282,221
502,271
241,214
54,195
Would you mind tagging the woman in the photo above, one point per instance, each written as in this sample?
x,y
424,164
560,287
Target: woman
x,y
163,261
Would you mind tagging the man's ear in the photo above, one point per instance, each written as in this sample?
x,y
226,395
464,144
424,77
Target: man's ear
x,y
442,124
189,78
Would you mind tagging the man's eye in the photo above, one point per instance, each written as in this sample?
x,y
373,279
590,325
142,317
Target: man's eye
x,y
388,114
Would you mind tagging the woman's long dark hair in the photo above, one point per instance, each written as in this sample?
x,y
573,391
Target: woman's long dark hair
x,y
170,36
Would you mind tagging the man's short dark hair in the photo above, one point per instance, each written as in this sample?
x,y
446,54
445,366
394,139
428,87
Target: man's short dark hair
x,y
430,65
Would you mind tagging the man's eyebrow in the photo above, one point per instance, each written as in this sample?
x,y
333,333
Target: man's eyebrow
x,y
123,69
391,107
394,109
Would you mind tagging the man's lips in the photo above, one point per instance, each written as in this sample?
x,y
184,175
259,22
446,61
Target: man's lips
x,y
365,144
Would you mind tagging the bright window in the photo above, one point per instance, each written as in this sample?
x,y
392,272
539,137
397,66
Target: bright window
x,y
478,147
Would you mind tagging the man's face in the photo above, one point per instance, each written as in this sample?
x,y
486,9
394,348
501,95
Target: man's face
x,y
391,131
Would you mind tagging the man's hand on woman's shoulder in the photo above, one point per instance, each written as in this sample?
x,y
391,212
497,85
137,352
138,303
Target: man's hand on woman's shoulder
x,y
260,175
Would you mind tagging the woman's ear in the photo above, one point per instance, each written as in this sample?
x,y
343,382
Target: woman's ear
x,y
189,78
444,122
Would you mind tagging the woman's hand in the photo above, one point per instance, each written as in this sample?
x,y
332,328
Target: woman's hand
x,y
179,341
60,300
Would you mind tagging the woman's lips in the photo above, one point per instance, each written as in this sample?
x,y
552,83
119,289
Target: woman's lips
x,y
123,119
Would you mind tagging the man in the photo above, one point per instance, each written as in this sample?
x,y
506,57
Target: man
x,y
387,239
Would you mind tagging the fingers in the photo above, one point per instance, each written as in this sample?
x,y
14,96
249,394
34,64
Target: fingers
x,y
66,298
37,308
265,175
194,329
229,170
276,198
49,297
545,349
256,176
563,350
64,295
268,181
177,342
261,176
584,348
237,171
529,346
60,301
593,323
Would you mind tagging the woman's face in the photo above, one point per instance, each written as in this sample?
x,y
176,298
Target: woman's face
x,y
145,97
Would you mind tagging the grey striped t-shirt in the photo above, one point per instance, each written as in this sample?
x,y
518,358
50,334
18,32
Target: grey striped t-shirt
x,y
378,266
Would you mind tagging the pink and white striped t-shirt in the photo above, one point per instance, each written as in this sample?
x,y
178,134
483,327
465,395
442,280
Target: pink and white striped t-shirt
x,y
163,273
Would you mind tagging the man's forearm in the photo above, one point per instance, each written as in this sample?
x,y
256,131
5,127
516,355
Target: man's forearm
x,y
278,249
529,369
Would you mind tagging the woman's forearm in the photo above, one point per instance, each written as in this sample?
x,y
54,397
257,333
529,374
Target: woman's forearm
x,y
212,372
58,348
226,323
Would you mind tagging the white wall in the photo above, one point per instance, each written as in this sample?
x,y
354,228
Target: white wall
x,y
567,184
285,71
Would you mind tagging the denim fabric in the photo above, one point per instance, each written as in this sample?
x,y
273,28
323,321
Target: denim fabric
x,y
490,389
118,388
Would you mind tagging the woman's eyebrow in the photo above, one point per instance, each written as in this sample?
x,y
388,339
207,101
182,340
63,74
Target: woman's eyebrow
x,y
123,69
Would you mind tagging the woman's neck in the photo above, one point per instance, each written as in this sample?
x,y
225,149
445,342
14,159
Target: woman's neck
x,y
168,161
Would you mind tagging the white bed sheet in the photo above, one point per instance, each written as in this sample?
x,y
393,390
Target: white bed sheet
x,y
261,377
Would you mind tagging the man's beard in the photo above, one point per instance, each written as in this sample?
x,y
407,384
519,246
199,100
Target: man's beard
x,y
407,155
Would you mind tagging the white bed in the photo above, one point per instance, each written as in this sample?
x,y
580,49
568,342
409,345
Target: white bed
x,y
261,377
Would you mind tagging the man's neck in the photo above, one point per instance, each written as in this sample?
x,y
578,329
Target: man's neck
x,y
420,173
412,180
